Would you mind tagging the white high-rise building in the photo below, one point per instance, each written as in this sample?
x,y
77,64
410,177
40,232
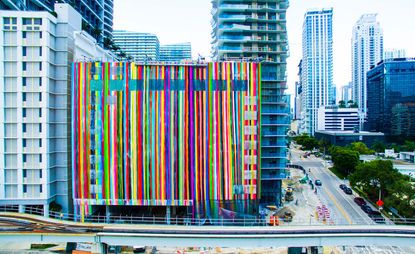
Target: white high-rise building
x,y
317,66
334,118
394,53
36,53
367,51
346,93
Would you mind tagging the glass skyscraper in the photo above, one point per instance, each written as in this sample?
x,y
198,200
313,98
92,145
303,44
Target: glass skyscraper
x,y
317,66
141,46
391,97
367,51
256,31
97,15
175,52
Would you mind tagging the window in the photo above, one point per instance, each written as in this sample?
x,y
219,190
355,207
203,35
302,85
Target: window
x,y
27,21
24,173
40,112
24,66
24,51
24,188
40,35
40,158
40,128
38,21
24,96
40,173
10,24
24,158
40,66
24,127
24,81
40,51
40,81
24,34
24,112
40,188
40,97
24,142
40,143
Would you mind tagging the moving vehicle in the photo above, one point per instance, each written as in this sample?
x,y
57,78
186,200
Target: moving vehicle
x,y
367,209
348,191
288,217
289,194
317,182
342,186
359,201
139,249
377,217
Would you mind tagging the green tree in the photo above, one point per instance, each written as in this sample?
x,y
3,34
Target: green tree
x,y
361,148
378,146
342,104
353,105
344,160
408,146
324,145
307,142
380,176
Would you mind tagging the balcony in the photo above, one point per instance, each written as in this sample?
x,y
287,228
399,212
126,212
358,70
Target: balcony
x,y
272,165
262,7
236,17
273,154
271,143
226,49
275,99
234,27
233,7
274,174
230,38
269,132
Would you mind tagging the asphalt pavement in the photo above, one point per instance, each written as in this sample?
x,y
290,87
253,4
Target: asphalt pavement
x,y
342,207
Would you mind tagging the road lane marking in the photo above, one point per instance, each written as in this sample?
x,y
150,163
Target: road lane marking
x,y
342,211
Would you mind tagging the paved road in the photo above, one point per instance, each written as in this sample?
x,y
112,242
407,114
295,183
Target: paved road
x,y
342,207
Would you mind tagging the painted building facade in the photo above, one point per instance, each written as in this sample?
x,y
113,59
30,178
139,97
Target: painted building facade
x,y
165,135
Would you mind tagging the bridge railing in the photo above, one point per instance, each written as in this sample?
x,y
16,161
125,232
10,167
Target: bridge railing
x,y
247,221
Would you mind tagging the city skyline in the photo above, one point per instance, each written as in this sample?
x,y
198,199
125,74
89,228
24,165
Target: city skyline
x,y
175,27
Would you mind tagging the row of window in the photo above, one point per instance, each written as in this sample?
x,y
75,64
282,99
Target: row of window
x,y
24,97
24,51
24,81
24,66
25,173
24,127
25,158
25,112
25,188
24,143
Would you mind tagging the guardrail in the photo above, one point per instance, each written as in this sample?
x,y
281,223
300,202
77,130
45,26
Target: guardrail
x,y
189,221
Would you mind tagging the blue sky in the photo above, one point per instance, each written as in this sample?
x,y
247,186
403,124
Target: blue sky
x,y
189,21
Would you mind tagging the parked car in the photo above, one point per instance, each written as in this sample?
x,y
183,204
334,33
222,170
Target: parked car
x,y
348,191
367,209
317,182
377,217
342,186
359,201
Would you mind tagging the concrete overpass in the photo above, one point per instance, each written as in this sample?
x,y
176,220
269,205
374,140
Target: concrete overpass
x,y
52,231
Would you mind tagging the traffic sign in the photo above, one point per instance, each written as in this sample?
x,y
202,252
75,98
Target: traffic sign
x,y
380,202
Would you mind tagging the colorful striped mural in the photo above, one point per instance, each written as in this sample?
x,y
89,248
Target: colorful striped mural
x,y
164,134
